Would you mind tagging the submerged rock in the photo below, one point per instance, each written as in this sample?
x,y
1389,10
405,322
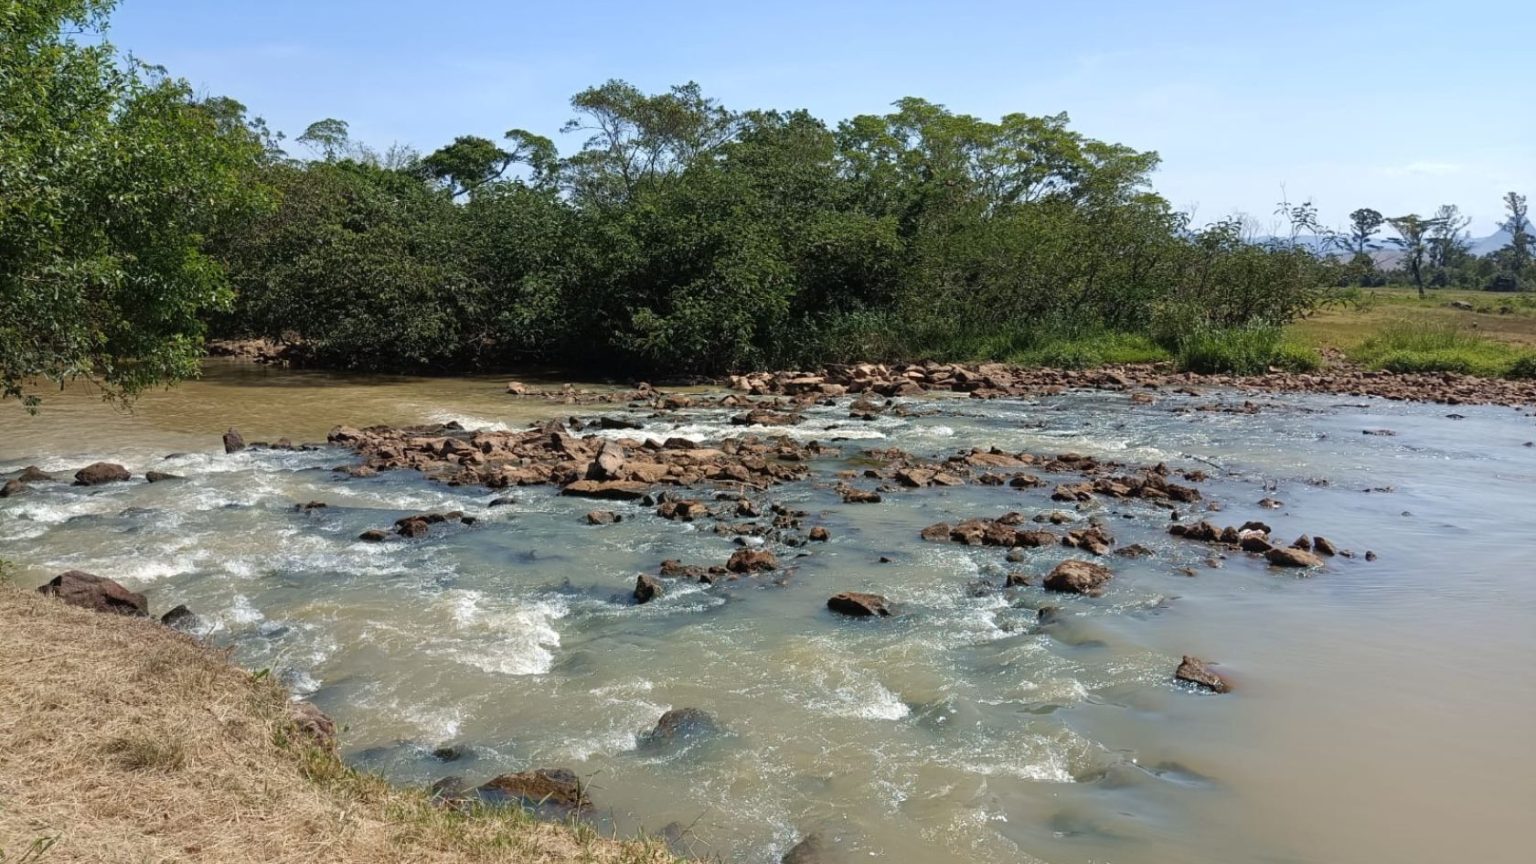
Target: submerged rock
x,y
97,593
34,474
680,723
555,793
161,476
811,849
12,487
858,604
603,517
180,618
820,534
1078,577
98,473
1193,670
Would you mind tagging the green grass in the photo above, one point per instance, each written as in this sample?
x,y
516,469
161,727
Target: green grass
x,y
1086,352
1419,345
1250,350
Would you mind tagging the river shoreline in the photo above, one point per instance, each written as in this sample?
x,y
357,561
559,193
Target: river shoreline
x,y
986,380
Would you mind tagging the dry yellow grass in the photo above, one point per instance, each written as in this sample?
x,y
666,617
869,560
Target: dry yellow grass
x,y
123,741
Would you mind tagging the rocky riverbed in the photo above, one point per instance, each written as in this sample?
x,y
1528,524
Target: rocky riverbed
x,y
916,612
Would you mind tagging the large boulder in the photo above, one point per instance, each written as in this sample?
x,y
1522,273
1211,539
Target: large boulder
x,y
554,793
98,473
609,464
181,618
234,442
34,474
1078,577
12,487
858,604
89,591
1193,670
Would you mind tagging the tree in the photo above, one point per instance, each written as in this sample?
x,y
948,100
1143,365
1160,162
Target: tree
x,y
112,176
1447,238
1363,225
467,163
1519,228
1413,235
328,137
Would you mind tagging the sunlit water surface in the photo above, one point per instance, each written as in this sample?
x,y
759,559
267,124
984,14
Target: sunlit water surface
x,y
1384,711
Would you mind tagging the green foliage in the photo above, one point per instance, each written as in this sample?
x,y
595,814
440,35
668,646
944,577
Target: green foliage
x,y
1417,345
113,179
1247,350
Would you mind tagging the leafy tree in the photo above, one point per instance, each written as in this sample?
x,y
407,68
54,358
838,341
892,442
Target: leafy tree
x,y
112,177
1413,234
1519,228
329,137
1363,227
1447,240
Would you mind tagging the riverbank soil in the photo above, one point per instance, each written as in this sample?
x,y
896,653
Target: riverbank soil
x,y
122,740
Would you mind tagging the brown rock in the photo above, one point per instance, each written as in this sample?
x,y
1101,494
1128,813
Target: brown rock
x,y
1324,546
1192,670
313,724
683,723
98,473
647,588
820,534
612,490
552,792
1016,579
1078,577
233,441
752,561
1281,557
161,477
938,532
34,474
97,593
857,604
12,487
373,535
603,517
609,464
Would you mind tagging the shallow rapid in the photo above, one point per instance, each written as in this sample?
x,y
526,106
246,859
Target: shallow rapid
x,y
1383,710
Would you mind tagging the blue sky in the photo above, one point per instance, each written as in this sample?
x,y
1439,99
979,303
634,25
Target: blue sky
x,y
1398,106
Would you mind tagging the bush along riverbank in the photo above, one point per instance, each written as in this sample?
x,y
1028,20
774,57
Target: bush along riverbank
x,y
125,739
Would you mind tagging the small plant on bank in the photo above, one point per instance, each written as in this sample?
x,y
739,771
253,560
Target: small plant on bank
x,y
1248,350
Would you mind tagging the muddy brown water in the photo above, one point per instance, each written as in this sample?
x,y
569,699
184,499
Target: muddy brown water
x,y
1384,711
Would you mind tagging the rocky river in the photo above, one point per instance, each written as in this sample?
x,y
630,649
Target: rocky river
x,y
1382,705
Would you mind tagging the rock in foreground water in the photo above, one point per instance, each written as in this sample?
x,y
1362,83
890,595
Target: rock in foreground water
x,y
1284,557
858,604
98,473
1078,577
97,593
1193,670
554,793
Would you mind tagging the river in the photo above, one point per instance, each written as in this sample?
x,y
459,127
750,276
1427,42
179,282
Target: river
x,y
1383,710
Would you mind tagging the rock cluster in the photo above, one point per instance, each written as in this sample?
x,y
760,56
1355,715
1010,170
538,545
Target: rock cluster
x,y
591,466
994,380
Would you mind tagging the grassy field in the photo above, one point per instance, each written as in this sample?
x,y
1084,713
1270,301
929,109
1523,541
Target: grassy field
x,y
1508,318
1470,332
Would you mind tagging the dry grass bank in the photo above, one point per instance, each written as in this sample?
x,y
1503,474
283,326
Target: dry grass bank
x,y
123,741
